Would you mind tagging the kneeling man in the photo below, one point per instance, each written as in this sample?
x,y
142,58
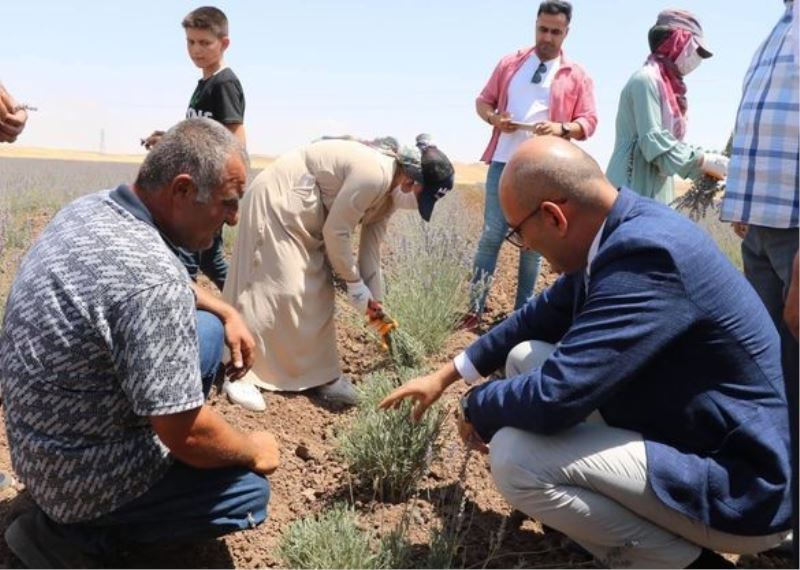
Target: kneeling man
x,y
105,362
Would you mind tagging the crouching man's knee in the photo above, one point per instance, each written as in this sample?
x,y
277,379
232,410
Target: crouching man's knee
x,y
527,355
254,497
513,478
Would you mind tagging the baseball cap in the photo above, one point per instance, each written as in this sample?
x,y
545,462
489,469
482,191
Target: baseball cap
x,y
685,20
436,174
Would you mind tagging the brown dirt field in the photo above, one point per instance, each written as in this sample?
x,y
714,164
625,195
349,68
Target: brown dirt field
x,y
307,485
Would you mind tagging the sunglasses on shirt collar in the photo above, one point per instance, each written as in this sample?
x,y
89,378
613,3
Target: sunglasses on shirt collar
x,y
537,75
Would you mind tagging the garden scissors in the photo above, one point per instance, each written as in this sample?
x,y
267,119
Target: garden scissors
x,y
383,325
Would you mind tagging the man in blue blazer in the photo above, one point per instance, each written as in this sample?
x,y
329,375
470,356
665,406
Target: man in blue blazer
x,y
644,412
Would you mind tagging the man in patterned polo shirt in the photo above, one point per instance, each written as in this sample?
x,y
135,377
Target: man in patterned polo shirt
x,y
105,363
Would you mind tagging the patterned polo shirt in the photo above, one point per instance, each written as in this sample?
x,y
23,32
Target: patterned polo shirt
x,y
762,186
100,332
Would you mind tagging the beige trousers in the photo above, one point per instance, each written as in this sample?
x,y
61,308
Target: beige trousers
x,y
590,482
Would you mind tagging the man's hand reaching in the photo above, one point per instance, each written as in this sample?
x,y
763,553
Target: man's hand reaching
x,y
241,345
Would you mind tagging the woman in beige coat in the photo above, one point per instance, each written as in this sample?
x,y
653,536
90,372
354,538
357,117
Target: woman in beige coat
x,y
302,209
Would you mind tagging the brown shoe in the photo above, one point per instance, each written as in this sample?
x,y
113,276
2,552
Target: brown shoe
x,y
470,322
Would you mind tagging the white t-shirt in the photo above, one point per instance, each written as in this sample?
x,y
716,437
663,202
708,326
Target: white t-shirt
x,y
528,102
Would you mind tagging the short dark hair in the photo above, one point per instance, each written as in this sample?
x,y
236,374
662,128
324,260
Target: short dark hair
x,y
657,35
555,7
207,18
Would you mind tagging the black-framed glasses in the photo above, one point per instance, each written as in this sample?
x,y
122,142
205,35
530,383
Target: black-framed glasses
x,y
537,75
514,235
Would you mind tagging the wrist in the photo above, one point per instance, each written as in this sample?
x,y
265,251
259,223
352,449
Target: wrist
x,y
566,131
250,450
446,376
226,312
490,117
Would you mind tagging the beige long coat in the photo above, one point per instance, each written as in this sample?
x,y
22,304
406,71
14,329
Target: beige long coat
x,y
305,205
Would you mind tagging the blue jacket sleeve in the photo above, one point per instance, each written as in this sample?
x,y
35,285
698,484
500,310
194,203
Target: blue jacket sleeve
x,y
636,305
546,317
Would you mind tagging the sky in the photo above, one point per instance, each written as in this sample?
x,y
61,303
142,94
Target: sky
x,y
118,70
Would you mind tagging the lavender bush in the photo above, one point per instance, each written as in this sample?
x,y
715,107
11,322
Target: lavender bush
x,y
428,271
383,448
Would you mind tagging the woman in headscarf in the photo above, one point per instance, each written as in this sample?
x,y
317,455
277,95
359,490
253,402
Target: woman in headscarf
x,y
652,114
300,214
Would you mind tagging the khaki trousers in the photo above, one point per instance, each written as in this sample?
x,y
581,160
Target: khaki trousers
x,y
590,482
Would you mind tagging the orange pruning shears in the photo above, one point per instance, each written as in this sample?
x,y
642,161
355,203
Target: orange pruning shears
x,y
383,326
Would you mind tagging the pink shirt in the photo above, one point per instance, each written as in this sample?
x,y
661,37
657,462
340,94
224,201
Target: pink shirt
x,y
571,95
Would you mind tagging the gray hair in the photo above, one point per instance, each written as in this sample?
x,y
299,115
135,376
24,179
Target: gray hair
x,y
198,147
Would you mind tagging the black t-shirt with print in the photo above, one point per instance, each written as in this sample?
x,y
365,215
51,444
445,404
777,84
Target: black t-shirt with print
x,y
220,97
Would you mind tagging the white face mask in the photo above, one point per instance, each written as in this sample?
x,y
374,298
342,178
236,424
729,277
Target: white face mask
x,y
689,59
404,200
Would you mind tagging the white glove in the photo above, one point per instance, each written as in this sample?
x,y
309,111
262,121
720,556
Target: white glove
x,y
715,165
359,295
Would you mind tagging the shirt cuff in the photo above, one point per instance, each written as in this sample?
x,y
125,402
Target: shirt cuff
x,y
466,369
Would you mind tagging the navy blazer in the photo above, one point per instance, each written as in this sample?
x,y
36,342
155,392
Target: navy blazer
x,y
668,340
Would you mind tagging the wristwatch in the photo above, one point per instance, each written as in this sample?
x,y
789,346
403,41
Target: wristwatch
x,y
463,406
566,132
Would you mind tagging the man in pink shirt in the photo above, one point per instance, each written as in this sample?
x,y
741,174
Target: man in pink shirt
x,y
541,88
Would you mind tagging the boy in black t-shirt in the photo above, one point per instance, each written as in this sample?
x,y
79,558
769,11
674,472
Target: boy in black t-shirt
x,y
218,96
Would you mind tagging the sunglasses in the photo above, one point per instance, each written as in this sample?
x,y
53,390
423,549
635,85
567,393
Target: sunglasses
x,y
537,76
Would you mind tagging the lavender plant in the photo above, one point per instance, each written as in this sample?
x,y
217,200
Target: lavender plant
x,y
703,192
405,350
333,539
330,540
383,448
428,272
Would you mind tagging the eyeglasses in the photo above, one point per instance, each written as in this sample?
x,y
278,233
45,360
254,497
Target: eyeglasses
x,y
537,76
514,235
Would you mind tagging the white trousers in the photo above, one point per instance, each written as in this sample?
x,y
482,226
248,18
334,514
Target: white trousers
x,y
590,482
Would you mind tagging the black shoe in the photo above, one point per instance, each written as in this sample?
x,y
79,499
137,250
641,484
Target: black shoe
x,y
710,559
35,540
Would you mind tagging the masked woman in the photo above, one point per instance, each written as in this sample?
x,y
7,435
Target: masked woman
x,y
652,114
298,220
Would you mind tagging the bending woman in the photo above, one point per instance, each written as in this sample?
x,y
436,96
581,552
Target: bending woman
x,y
302,209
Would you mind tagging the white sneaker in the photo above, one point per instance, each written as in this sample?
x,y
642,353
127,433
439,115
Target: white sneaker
x,y
340,391
244,394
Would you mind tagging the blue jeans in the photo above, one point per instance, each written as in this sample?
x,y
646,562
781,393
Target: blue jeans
x,y
494,232
767,255
210,339
187,503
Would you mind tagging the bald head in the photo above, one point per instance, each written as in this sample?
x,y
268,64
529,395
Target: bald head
x,y
550,168
556,197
